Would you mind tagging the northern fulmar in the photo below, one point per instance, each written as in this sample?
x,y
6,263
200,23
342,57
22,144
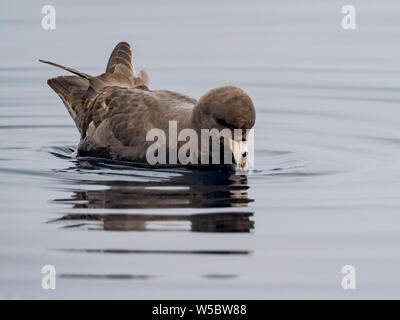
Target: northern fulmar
x,y
115,111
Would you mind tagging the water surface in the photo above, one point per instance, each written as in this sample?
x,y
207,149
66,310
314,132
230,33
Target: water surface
x,y
324,192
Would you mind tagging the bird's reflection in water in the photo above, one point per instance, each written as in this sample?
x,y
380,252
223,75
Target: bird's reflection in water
x,y
182,189
207,222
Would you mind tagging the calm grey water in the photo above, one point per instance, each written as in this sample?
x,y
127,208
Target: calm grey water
x,y
324,192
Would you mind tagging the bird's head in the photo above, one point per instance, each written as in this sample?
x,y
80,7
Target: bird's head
x,y
232,109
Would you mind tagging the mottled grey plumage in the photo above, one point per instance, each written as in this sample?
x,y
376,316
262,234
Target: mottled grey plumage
x,y
115,110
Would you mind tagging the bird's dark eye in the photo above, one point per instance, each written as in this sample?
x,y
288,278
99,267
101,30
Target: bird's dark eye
x,y
223,123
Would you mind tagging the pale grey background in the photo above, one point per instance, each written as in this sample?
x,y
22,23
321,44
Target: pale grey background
x,y
326,188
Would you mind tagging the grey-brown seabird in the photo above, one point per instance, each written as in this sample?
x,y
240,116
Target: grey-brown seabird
x,y
115,110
